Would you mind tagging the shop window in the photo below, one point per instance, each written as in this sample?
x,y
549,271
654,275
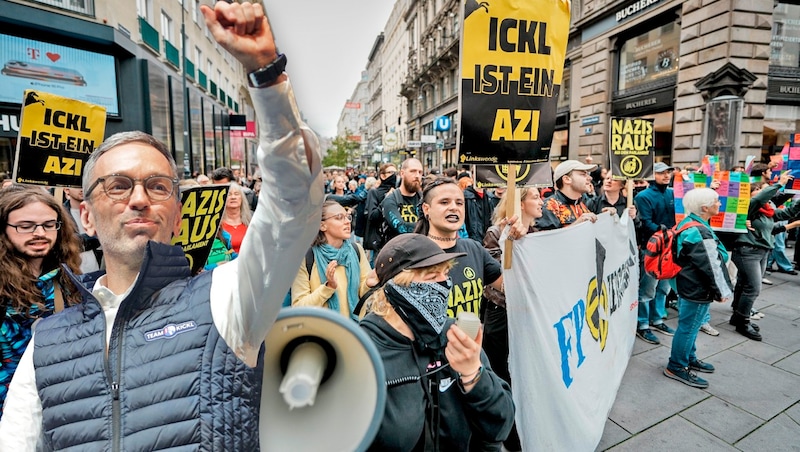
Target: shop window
x,y
649,58
785,44
780,121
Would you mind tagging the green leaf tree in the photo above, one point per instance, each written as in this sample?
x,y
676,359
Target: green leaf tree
x,y
343,152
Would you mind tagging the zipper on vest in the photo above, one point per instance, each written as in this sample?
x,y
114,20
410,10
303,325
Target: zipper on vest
x,y
114,375
115,413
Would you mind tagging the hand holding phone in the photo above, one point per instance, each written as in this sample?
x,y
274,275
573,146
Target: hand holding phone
x,y
469,323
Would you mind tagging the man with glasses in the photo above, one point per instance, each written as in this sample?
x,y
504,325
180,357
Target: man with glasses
x,y
152,358
36,239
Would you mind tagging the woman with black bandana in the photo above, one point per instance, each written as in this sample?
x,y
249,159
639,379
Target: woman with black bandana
x,y
442,392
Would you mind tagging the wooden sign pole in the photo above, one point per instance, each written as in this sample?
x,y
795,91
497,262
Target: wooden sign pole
x,y
629,190
513,208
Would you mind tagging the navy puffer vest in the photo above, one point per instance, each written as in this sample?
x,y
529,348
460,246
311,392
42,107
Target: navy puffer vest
x,y
170,380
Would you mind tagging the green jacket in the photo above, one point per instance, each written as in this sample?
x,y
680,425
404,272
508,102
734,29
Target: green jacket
x,y
760,234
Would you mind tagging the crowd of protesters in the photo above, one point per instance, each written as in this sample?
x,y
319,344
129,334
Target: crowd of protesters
x,y
400,251
365,211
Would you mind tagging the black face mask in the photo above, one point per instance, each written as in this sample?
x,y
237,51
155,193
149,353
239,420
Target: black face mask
x,y
423,307
637,190
391,181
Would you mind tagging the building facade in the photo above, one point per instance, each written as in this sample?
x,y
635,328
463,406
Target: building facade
x,y
130,58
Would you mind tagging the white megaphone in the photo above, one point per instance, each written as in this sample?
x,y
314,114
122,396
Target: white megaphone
x,y
324,388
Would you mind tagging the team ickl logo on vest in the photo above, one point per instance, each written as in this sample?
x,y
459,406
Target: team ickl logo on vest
x,y
170,331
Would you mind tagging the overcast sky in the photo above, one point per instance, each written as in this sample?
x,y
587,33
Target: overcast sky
x,y
327,44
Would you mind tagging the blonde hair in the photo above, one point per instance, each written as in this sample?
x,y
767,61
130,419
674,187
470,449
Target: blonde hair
x,y
378,302
500,212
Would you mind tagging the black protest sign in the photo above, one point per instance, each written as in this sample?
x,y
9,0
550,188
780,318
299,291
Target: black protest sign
x,y
201,217
529,175
512,64
56,137
631,148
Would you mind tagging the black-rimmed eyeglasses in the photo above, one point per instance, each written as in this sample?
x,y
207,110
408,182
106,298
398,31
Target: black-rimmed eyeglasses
x,y
120,188
29,228
340,217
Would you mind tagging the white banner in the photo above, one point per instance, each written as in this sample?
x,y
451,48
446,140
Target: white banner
x,y
569,341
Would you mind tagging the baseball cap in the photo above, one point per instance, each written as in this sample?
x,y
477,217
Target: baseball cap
x,y
660,167
567,166
409,251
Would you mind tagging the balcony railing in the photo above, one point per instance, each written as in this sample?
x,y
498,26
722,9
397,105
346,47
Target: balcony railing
x,y
189,68
149,35
172,54
202,80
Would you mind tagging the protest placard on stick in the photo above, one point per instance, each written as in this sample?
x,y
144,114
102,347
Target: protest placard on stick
x,y
201,218
56,137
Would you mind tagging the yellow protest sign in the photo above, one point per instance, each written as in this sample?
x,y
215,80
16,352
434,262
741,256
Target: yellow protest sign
x,y
56,136
631,148
201,218
512,64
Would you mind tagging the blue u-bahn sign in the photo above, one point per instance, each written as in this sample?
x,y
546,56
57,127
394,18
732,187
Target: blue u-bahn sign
x,y
441,124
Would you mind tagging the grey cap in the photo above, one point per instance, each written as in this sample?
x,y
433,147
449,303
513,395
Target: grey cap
x,y
660,167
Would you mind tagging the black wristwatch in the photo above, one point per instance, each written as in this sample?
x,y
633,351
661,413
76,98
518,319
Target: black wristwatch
x,y
267,74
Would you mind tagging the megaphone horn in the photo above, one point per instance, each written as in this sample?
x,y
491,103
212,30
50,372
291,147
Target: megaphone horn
x,y
322,374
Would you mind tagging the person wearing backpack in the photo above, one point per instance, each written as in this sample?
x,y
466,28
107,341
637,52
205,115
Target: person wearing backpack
x,y
703,278
656,207
334,275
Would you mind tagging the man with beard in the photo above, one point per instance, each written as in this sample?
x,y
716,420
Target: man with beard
x,y
36,239
566,206
153,358
400,206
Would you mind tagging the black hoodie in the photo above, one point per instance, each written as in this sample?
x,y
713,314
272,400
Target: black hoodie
x,y
487,411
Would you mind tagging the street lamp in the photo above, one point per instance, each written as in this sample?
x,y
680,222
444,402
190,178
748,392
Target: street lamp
x,y
186,119
433,122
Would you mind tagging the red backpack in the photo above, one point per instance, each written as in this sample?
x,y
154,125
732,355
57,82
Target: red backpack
x,y
662,250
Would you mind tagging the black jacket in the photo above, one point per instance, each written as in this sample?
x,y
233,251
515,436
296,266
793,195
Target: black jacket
x,y
484,415
478,211
374,217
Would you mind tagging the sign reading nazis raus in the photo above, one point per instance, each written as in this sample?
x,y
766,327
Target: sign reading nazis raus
x,y
512,63
631,148
56,137
201,217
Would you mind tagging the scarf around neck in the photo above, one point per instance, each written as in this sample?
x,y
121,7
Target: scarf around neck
x,y
345,256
